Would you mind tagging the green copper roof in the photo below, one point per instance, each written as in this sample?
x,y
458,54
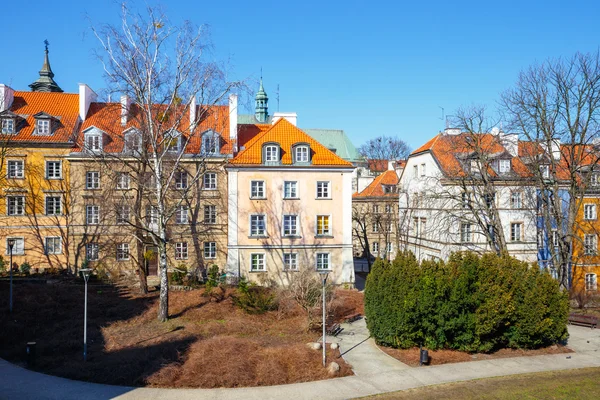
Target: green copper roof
x,y
45,83
251,119
336,139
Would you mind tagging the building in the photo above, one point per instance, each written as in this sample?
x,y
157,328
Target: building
x,y
289,207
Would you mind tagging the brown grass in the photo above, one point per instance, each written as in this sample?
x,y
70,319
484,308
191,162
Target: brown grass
x,y
204,344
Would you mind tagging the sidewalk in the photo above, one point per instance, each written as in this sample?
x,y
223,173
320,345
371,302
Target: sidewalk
x,y
372,377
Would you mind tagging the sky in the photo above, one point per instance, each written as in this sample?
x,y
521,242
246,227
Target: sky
x,y
370,68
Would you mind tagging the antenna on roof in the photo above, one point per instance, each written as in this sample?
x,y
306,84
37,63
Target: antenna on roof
x,y
277,96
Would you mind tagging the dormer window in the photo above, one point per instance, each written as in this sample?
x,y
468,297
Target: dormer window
x,y
211,143
8,126
503,166
43,127
93,141
271,153
545,171
302,153
173,142
133,141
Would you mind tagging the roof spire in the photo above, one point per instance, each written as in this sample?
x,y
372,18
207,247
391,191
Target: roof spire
x,y
45,83
262,103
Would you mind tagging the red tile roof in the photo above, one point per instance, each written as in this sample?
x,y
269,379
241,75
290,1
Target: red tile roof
x,y
63,107
286,135
375,189
376,165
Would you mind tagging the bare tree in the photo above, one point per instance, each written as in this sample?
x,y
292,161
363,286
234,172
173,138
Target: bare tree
x,y
385,148
556,106
161,68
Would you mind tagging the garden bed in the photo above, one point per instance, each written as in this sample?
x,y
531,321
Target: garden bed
x,y
204,344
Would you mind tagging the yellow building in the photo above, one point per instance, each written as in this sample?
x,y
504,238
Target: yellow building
x,y
586,258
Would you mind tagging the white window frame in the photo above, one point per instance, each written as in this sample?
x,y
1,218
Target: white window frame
x,y
181,180
15,169
466,233
210,214
43,127
210,143
92,214
254,223
209,181
375,248
122,252
182,215
590,244
8,126
92,180
302,154
516,200
290,261
323,189
210,250
375,227
123,181
290,190
589,212
257,189
327,232
516,231
123,214
260,259
595,179
323,261
181,250
389,247
423,170
18,250
93,141
54,205
503,166
591,281
290,225
56,245
545,171
18,206
271,153
92,251
53,172
416,170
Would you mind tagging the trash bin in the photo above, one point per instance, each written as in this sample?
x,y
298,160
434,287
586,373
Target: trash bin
x,y
424,357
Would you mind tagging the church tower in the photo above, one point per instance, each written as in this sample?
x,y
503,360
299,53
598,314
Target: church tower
x,y
262,104
45,83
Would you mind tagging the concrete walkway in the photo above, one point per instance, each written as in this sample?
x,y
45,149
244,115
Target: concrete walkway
x,y
372,377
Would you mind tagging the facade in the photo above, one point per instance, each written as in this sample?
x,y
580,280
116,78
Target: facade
x,y
289,207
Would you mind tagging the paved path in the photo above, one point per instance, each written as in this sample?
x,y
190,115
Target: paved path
x,y
384,375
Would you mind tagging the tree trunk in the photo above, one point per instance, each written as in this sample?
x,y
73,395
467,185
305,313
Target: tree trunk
x,y
163,305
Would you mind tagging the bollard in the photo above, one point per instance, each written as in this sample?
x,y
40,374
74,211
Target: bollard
x,y
31,354
424,357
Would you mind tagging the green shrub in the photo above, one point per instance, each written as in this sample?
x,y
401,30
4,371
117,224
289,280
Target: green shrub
x,y
470,303
214,277
179,274
254,299
25,268
2,264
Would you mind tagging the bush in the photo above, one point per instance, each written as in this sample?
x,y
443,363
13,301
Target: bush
x,y
470,303
2,264
254,299
179,274
25,268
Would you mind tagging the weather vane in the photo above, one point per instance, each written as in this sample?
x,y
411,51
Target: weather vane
x,y
46,43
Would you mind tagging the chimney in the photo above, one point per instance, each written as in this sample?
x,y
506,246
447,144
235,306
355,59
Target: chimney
x,y
86,97
390,165
510,141
556,149
233,120
7,95
291,117
125,105
193,110
452,131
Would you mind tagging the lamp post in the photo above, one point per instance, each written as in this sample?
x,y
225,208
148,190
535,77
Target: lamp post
x,y
85,272
324,274
11,243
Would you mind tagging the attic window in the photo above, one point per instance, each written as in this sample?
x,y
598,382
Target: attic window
x,y
93,141
545,171
271,153
389,189
302,154
210,143
43,126
503,166
8,126
173,142
132,141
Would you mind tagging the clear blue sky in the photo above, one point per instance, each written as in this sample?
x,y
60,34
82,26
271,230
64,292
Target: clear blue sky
x,y
370,68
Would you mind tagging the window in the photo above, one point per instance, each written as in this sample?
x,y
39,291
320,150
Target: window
x,y
53,245
323,190
92,215
489,199
290,225
375,247
15,205
181,251
15,169
465,200
8,126
474,167
257,225
173,142
257,189
43,127
152,216
92,180
545,171
389,226
271,153
323,261
290,190
423,169
503,166
516,200
123,180
93,141
389,208
123,214
290,261
416,171
302,154
210,143
181,180
388,247
590,245
375,209
181,215
323,227
257,262
210,181
210,214
18,246
591,282
387,189
589,211
133,141
516,231
423,227
122,251
555,238
210,249
595,179
53,205
375,227
465,233
91,251
53,170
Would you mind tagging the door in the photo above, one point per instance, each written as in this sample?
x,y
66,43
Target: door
x,y
151,257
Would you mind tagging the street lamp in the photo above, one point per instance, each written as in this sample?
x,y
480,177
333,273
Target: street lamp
x,y
324,274
11,243
85,272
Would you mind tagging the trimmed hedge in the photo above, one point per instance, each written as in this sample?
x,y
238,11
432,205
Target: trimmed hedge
x,y
470,303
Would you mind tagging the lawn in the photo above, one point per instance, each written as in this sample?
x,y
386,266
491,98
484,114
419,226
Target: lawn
x,y
581,384
205,343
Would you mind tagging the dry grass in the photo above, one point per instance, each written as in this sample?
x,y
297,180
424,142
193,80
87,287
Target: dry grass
x,y
204,344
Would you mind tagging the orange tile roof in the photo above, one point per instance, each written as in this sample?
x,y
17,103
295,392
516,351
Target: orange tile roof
x,y
107,117
375,189
63,107
376,165
286,135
